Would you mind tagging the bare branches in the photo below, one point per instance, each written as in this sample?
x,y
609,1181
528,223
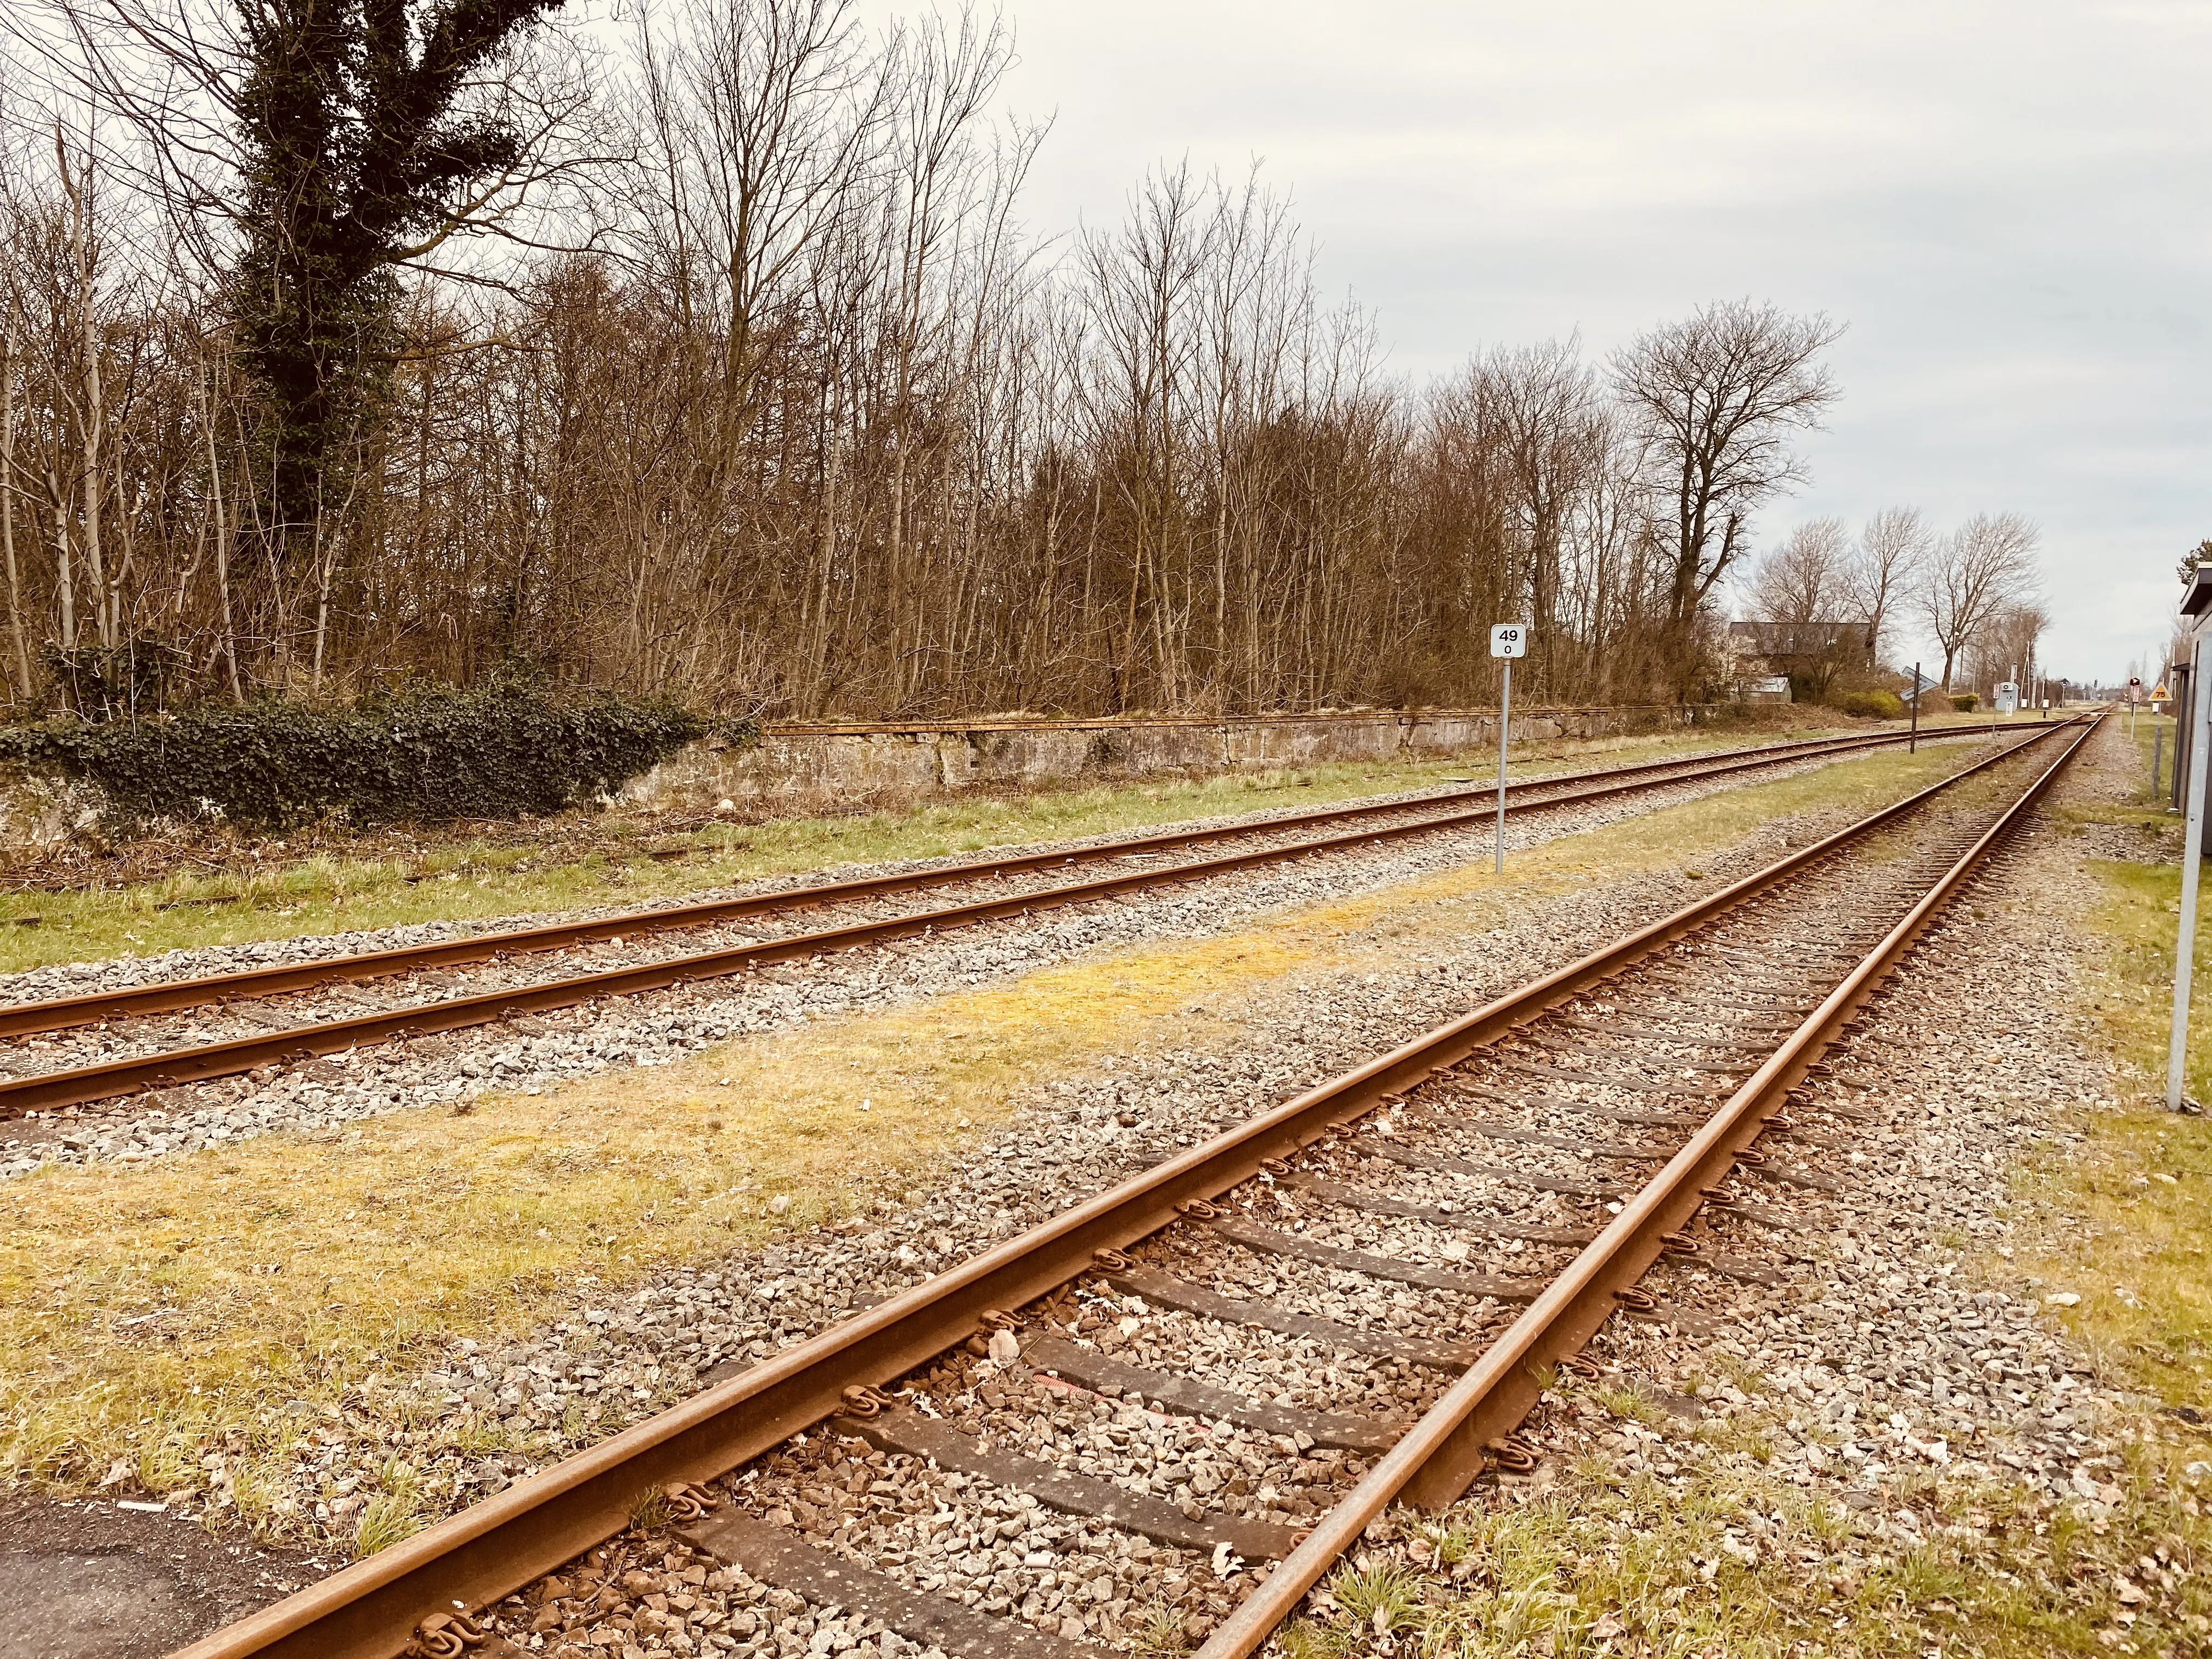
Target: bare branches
x,y
741,377
1718,399
1892,549
1982,569
1805,581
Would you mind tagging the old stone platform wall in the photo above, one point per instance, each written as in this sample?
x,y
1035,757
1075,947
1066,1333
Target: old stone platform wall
x,y
798,768
801,769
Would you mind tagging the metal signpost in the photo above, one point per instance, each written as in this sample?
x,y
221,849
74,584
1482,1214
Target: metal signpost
x,y
2192,857
1919,691
1507,641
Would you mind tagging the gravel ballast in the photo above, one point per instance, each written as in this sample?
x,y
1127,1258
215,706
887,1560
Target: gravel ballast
x,y
1887,1371
817,1278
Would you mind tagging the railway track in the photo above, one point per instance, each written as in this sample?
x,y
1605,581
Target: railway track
x,y
1193,1392
155,1058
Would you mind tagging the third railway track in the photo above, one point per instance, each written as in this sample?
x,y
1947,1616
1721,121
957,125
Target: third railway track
x,y
1199,1387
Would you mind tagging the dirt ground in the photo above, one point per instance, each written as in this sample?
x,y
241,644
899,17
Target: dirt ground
x,y
87,1579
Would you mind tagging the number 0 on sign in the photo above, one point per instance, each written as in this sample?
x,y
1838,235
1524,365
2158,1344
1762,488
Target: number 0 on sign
x,y
1509,640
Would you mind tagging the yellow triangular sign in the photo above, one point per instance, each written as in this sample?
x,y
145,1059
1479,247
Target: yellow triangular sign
x,y
2158,695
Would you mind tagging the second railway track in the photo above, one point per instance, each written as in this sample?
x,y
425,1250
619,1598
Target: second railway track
x,y
1190,1394
154,1059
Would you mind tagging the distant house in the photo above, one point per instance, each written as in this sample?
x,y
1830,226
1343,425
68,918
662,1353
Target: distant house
x,y
1790,662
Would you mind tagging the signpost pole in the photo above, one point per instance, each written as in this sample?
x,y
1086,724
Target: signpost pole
x,y
1912,742
2192,858
1504,732
1507,641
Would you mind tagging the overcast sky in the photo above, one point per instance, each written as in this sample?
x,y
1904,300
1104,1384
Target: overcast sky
x,y
2006,202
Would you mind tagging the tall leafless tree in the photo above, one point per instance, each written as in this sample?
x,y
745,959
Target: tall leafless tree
x,y
791,415
1798,595
1884,565
1720,398
1980,569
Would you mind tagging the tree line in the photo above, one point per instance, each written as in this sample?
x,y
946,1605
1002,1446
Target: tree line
x,y
1839,599
435,339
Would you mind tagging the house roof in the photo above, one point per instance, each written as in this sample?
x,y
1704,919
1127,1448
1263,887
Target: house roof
x,y
1791,639
2199,596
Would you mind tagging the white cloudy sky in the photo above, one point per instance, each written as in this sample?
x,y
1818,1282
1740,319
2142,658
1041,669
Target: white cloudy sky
x,y
2007,203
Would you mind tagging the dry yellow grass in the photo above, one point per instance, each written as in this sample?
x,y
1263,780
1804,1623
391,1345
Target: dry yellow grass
x,y
144,1313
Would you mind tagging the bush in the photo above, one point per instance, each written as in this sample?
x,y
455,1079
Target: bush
x,y
1967,702
1871,705
492,751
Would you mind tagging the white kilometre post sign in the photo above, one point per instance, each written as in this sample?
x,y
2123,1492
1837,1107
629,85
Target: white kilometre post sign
x,y
1507,641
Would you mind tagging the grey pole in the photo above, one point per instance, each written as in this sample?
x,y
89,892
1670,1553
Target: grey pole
x,y
1504,731
2192,857
1912,742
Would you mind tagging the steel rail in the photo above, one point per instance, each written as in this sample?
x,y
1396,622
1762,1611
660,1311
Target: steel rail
x,y
1434,1462
370,1610
168,996
230,1056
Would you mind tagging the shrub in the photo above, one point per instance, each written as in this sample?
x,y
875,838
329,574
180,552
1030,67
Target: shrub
x,y
1967,702
441,753
1871,705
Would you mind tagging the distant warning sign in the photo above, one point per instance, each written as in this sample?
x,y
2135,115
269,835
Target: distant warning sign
x,y
2161,695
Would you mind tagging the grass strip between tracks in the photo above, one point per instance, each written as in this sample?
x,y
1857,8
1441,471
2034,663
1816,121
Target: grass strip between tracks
x,y
223,1301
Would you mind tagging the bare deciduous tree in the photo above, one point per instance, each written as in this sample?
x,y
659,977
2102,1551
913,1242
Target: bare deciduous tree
x,y
798,420
1798,595
2006,645
1882,568
1804,581
1985,566
1719,398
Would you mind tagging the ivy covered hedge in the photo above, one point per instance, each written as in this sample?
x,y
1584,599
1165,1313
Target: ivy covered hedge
x,y
422,756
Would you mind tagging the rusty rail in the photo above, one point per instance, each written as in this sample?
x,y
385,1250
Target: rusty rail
x,y
232,1056
371,1609
1435,1461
